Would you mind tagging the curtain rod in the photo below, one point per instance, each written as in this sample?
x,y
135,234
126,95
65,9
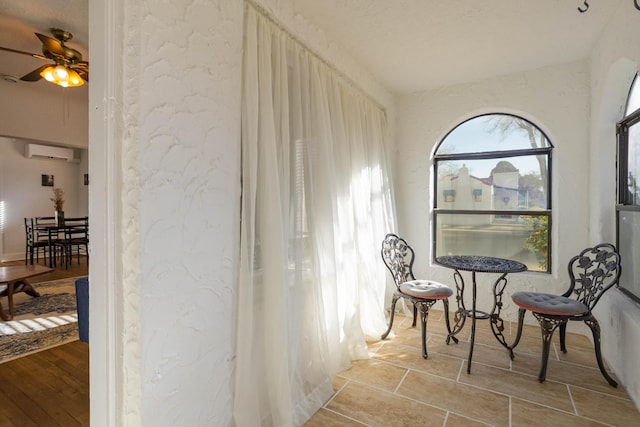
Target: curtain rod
x,y
267,15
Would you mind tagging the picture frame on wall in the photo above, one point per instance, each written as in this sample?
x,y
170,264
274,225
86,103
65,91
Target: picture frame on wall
x,y
47,180
86,179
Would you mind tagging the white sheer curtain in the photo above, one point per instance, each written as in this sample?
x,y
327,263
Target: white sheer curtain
x,y
316,204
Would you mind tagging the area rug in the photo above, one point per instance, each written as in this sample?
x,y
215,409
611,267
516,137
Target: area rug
x,y
40,323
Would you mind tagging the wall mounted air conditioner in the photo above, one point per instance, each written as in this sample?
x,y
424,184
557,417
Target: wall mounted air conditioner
x,y
48,152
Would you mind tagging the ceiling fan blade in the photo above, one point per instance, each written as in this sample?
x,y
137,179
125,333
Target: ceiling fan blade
x,y
82,68
51,44
84,74
34,76
21,52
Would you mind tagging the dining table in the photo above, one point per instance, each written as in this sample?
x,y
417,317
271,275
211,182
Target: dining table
x,y
13,279
479,264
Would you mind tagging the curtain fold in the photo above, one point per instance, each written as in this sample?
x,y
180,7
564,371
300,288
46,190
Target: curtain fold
x,y
316,203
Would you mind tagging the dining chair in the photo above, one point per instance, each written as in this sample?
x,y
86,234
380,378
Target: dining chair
x,y
592,272
79,236
33,244
50,237
40,233
75,235
398,256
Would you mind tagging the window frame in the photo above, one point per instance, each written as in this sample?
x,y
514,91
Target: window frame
x,y
438,158
624,201
622,135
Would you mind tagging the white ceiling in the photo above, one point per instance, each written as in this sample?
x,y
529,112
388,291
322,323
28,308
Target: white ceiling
x,y
407,45
414,45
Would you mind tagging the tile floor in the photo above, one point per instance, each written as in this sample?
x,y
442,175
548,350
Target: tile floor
x,y
397,387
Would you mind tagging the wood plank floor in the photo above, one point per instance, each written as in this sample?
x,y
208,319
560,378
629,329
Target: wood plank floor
x,y
49,388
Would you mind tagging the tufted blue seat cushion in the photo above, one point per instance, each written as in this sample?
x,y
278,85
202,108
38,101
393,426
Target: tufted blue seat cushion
x,y
427,289
549,304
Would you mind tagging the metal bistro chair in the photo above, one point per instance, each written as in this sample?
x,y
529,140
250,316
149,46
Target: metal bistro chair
x,y
592,272
398,256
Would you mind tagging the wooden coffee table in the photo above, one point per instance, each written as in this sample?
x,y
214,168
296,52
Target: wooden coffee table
x,y
13,279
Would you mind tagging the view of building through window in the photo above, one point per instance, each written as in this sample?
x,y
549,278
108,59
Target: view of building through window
x,y
492,191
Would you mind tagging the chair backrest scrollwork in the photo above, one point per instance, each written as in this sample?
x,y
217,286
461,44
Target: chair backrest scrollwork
x,y
398,256
593,272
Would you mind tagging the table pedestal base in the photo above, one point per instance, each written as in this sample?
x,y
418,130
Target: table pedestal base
x,y
14,288
460,316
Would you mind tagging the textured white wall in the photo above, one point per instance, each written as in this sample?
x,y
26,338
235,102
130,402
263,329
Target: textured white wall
x,y
554,98
614,63
181,158
165,152
164,156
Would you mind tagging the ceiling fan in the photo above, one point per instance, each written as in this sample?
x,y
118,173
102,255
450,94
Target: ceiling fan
x,y
67,70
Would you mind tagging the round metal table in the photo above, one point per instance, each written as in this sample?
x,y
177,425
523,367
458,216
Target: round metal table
x,y
479,264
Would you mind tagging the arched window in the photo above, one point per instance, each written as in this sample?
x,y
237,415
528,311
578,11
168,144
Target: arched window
x,y
492,191
628,207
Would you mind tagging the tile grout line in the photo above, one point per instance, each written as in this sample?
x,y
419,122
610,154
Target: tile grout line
x,y
402,396
395,391
446,417
335,393
591,390
573,403
348,417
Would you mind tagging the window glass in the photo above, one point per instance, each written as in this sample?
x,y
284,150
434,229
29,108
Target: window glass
x,y
512,183
628,232
524,238
633,103
492,191
493,132
633,164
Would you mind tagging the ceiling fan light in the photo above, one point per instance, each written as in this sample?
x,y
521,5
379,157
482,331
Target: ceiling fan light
x,y
74,79
47,73
61,73
62,76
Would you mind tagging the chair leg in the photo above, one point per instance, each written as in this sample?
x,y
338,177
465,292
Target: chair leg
x,y
425,305
68,256
445,302
393,312
563,335
595,330
548,327
521,313
415,316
